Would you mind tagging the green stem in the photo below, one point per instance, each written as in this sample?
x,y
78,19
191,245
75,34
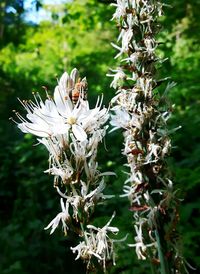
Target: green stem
x,y
153,269
163,264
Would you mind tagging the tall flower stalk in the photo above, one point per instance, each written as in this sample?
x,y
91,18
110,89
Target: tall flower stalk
x,y
140,109
71,132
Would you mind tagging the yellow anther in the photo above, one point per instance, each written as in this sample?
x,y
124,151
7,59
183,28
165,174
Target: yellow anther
x,y
71,120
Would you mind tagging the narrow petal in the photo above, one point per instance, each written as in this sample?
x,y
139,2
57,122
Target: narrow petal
x,y
63,80
60,128
79,133
74,75
34,129
59,98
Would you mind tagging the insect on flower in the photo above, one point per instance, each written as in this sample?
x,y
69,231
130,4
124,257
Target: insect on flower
x,y
79,90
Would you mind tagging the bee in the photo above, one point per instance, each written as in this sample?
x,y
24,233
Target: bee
x,y
79,91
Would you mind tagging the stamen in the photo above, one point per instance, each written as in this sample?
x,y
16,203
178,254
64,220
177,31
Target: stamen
x,y
71,120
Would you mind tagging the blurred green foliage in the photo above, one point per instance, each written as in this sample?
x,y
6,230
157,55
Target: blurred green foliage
x,y
32,56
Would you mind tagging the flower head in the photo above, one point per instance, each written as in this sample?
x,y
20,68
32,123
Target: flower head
x,y
62,115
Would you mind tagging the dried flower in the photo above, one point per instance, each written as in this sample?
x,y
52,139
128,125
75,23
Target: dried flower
x,y
136,109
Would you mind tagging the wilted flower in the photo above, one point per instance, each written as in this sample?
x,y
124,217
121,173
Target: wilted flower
x,y
138,110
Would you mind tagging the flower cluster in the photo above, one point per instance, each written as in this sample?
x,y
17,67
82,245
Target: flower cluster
x,y
98,244
140,109
71,132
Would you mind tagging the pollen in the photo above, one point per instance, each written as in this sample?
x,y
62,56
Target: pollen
x,y
71,120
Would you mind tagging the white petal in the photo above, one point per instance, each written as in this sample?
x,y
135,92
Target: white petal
x,y
113,229
59,98
54,223
63,102
79,133
63,80
50,109
36,119
74,75
62,204
34,129
60,128
92,227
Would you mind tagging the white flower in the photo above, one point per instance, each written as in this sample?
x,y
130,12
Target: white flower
x,y
62,216
126,99
67,82
97,243
85,249
125,35
96,193
73,199
119,75
136,178
133,58
94,140
54,146
146,84
139,245
166,147
150,45
121,119
130,192
153,153
60,116
41,116
46,119
73,116
121,6
87,198
65,171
